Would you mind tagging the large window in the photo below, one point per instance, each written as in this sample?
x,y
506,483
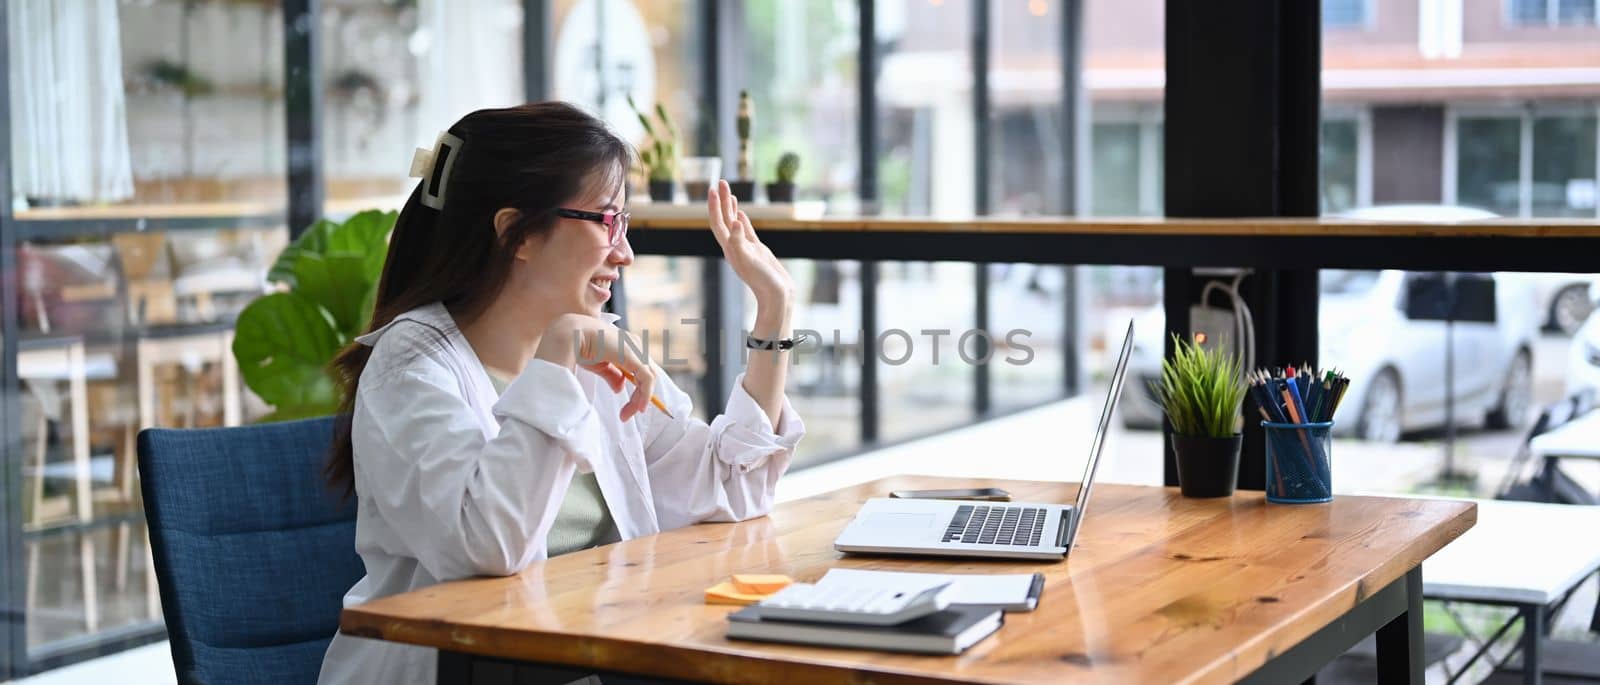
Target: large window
x,y
925,157
1527,162
1028,177
1564,165
1551,12
605,52
394,77
147,171
801,75
1343,185
1339,14
926,167
800,71
1442,396
1488,172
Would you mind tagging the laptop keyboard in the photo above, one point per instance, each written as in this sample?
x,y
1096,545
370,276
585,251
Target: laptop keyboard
x,y
996,525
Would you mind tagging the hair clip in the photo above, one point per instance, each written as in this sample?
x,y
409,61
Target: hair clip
x,y
433,167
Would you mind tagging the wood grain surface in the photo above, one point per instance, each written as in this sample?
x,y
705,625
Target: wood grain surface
x,y
1159,589
673,220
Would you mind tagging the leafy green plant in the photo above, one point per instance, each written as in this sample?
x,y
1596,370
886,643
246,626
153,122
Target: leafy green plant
x,y
660,154
328,282
1201,390
788,166
171,74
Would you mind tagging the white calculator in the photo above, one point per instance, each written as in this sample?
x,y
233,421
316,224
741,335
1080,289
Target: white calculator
x,y
842,603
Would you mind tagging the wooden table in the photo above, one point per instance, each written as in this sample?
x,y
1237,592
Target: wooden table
x,y
1160,589
1553,245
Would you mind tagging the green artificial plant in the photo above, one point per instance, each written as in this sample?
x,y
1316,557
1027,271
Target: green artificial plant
x,y
1201,390
328,282
788,166
660,154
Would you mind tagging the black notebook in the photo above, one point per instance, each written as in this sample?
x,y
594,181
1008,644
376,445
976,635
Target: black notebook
x,y
950,631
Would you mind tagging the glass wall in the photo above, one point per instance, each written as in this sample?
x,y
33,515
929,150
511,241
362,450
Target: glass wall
x,y
1442,398
926,167
1125,54
605,52
148,160
1028,171
1488,171
147,182
800,70
395,74
925,127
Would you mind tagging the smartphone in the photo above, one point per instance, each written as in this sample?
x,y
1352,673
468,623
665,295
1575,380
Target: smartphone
x,y
985,494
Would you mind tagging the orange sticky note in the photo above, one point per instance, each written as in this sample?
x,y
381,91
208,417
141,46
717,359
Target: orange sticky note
x,y
726,593
760,583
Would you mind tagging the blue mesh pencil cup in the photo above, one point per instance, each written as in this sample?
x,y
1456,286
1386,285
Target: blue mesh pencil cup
x,y
1299,462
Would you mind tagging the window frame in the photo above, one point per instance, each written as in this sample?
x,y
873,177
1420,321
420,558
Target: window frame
x,y
1149,118
1552,16
1362,116
1525,114
1365,22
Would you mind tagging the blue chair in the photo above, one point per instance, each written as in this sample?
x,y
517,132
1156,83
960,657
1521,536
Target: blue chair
x,y
252,551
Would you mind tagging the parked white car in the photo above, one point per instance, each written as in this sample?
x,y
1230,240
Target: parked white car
x,y
1381,330
1583,357
1562,298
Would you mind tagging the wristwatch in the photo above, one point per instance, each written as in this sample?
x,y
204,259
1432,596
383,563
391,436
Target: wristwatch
x,y
755,343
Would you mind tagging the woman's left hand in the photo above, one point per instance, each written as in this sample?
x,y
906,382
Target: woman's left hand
x,y
751,260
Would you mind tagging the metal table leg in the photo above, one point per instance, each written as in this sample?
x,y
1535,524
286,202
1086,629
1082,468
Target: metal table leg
x,y
1532,633
1400,654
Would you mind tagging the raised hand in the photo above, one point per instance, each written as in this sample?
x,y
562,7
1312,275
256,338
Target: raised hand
x,y
751,260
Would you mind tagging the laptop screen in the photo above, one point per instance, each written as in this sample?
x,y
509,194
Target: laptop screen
x,y
1112,397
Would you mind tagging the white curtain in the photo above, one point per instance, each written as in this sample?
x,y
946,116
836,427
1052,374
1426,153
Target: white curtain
x,y
472,61
69,133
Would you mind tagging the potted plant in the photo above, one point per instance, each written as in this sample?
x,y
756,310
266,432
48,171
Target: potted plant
x,y
327,281
1202,391
744,187
660,153
783,189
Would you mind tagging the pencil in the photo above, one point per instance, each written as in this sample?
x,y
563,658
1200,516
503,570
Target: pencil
x,y
656,401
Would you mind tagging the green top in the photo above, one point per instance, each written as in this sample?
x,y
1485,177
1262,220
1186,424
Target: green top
x,y
583,521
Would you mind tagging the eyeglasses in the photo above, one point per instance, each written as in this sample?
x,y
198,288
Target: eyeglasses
x,y
616,223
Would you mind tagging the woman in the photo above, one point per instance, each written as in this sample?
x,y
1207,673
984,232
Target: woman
x,y
491,424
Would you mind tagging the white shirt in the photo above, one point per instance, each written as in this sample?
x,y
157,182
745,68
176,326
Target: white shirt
x,y
453,483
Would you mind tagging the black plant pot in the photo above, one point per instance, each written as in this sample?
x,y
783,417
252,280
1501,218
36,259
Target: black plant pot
x,y
1207,467
662,191
780,192
744,191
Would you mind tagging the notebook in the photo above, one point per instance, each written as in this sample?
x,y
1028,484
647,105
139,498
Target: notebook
x,y
1009,591
950,631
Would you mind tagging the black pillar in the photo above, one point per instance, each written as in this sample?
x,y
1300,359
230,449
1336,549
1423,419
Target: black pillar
x,y
982,135
867,189
721,24
536,44
13,624
1075,129
302,97
1243,102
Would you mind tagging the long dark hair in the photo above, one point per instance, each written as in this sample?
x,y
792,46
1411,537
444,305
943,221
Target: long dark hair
x,y
532,158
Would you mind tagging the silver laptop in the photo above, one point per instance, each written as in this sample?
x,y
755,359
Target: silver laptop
x,y
1010,530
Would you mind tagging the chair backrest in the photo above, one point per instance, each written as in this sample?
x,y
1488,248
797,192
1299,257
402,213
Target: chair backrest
x,y
252,551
